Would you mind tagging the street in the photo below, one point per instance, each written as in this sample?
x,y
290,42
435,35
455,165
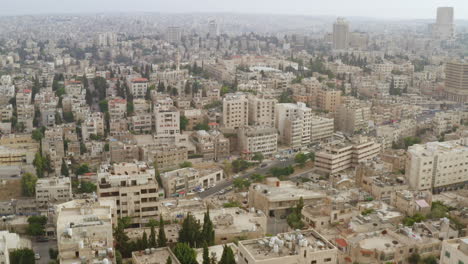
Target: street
x,y
43,249
264,170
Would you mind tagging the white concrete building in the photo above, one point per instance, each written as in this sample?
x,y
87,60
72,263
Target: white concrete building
x,y
322,129
294,122
454,251
262,111
255,139
93,124
9,242
138,87
53,190
235,110
438,166
167,123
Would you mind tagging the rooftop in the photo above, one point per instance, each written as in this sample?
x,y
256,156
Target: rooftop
x,y
286,192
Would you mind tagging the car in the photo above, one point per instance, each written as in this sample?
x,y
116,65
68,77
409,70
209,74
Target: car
x,y
42,239
263,165
201,190
37,256
235,176
221,192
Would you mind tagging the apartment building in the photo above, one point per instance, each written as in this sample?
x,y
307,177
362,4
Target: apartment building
x,y
412,203
328,100
262,111
52,143
133,188
138,87
117,108
294,124
93,125
167,123
17,149
352,116
288,248
123,151
322,129
23,97
52,191
212,145
438,166
194,117
73,88
141,123
6,112
235,110
456,81
454,251
164,156
337,157
276,197
259,139
84,231
186,180
10,242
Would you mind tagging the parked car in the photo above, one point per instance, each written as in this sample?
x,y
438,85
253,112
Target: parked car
x,y
37,256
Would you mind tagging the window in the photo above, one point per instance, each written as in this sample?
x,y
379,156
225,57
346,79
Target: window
x,y
327,260
313,262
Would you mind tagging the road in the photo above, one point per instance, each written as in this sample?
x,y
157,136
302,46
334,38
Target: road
x,y
43,249
264,170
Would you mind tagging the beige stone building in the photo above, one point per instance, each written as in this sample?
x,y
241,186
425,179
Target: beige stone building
x,y
10,242
164,156
438,166
262,110
277,197
154,256
167,123
142,123
456,81
412,203
235,110
337,157
133,188
260,139
52,191
212,145
186,180
352,116
288,248
138,87
294,124
322,129
454,251
93,125
84,231
328,100
117,108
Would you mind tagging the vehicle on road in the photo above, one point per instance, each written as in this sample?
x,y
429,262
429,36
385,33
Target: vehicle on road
x,y
263,165
37,256
42,239
235,176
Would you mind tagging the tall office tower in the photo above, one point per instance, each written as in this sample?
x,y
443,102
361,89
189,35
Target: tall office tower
x,y
340,34
213,29
173,34
444,27
456,81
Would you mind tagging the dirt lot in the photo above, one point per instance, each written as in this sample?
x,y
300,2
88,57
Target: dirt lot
x,y
10,189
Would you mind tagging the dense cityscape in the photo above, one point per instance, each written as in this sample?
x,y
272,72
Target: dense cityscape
x,y
224,138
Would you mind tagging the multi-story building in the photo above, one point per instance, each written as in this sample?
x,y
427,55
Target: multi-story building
x,y
52,191
258,139
23,97
74,88
134,189
444,28
235,110
322,129
337,157
138,87
84,231
437,166
294,124
352,116
328,100
142,123
194,117
340,34
10,242
123,151
454,251
117,108
211,144
173,34
164,156
262,111
456,81
167,123
288,248
93,125
183,181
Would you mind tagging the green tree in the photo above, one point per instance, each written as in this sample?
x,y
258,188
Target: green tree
x,y
258,156
301,158
208,232
36,225
144,240
22,256
183,123
68,117
185,254
38,163
37,135
228,256
162,240
152,237
294,219
87,187
241,184
186,164
169,260
430,260
53,253
190,231
118,257
28,184
201,126
206,254
104,106
121,239
415,258
84,168
257,177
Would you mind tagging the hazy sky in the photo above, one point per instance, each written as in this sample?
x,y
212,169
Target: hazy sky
x,y
367,8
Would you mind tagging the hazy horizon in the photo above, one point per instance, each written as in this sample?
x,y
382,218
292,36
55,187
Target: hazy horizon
x,y
397,9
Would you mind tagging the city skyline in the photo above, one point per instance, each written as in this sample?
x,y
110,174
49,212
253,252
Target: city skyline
x,y
399,9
